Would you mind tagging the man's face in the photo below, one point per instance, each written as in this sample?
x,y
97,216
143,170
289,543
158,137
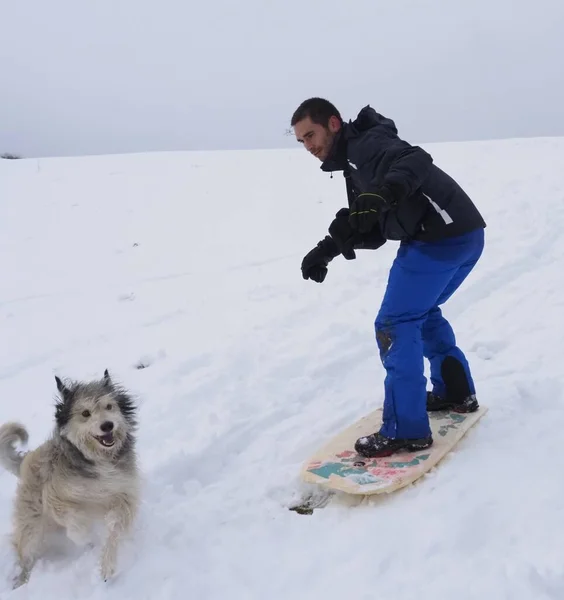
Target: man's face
x,y
316,138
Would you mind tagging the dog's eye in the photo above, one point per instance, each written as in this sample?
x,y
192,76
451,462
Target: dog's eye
x,y
109,407
85,413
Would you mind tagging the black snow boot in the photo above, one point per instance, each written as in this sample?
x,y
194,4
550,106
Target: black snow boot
x,y
376,445
458,396
466,405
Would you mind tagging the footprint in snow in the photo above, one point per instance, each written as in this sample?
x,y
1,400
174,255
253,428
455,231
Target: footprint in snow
x,y
486,351
147,360
126,297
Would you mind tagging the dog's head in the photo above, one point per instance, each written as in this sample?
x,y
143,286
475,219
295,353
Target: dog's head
x,y
97,417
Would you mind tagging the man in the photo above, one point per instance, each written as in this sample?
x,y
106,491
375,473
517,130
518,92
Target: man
x,y
396,192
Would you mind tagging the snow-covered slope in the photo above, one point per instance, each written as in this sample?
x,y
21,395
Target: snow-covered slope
x,y
188,264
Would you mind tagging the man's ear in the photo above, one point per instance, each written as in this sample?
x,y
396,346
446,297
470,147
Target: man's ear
x,y
334,124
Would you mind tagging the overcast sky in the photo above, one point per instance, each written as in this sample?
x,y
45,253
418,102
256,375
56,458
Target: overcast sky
x,y
104,76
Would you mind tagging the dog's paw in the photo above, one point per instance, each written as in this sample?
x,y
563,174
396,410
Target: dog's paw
x,y
107,571
107,566
21,579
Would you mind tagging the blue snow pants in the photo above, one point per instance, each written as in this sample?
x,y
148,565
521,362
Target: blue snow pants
x,y
410,326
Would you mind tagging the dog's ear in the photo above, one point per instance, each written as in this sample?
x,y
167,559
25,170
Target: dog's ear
x,y
107,379
65,392
60,385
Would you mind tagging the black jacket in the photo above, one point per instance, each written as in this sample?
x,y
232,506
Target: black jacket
x,y
429,204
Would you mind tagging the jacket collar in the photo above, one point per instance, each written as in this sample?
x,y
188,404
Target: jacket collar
x,y
337,158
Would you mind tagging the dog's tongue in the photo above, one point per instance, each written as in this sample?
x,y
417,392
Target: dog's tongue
x,y
108,438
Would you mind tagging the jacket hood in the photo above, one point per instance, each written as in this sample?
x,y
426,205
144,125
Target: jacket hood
x,y
366,119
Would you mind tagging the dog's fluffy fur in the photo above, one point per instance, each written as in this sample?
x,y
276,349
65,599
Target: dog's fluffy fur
x,y
87,471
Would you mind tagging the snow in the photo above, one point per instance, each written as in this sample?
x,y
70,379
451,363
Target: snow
x,y
188,265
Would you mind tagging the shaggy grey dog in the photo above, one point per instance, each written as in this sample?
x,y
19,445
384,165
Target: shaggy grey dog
x,y
86,472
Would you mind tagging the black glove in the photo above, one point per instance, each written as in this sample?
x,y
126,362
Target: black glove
x,y
343,234
367,207
348,240
314,264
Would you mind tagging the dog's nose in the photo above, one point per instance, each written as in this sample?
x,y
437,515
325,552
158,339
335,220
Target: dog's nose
x,y
107,426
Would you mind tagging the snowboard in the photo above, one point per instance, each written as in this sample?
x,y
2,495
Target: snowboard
x,y
338,467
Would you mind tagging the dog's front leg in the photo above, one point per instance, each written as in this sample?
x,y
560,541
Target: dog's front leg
x,y
78,529
119,520
74,520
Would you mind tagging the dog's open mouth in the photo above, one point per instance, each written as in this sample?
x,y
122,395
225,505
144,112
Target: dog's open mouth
x,y
106,440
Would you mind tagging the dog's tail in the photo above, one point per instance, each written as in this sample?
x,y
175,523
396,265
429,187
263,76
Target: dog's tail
x,y
10,458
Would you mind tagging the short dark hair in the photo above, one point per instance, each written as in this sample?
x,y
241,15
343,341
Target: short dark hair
x,y
318,110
